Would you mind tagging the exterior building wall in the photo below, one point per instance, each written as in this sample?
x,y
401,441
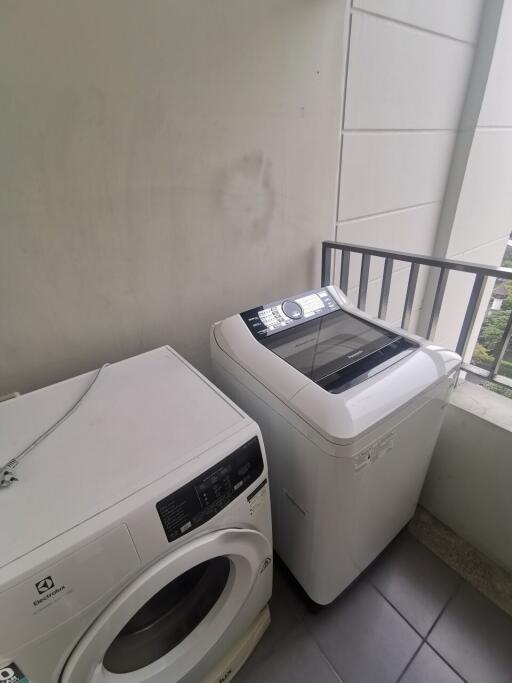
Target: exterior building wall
x,y
477,214
408,69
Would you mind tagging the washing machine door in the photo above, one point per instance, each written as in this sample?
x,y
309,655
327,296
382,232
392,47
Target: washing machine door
x,y
169,621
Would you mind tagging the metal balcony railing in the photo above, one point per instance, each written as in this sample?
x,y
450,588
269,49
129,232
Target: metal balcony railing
x,y
481,274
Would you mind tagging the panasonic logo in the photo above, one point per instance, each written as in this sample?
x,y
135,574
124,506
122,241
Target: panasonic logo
x,y
48,596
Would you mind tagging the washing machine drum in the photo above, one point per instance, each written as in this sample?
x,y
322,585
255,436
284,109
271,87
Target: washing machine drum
x,y
165,624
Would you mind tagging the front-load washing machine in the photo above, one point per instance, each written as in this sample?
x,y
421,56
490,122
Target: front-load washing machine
x,y
350,410
136,544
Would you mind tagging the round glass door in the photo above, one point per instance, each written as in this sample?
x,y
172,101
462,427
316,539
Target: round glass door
x,y
168,617
163,625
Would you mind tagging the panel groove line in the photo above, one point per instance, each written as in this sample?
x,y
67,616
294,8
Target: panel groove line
x,y
392,20
384,173
387,131
408,80
460,255
385,213
342,122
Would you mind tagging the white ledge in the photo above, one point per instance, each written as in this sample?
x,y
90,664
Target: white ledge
x,y
483,403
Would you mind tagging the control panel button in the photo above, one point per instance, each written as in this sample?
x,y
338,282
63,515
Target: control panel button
x,y
292,310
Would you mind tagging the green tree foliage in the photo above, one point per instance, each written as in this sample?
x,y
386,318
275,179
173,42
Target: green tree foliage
x,y
492,333
481,356
492,330
507,304
498,389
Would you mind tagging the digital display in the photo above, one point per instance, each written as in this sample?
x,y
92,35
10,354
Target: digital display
x,y
264,321
206,495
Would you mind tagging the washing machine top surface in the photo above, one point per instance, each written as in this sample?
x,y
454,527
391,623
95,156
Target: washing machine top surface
x,y
143,418
340,370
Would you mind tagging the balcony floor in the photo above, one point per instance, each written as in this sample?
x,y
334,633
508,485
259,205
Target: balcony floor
x,y
409,618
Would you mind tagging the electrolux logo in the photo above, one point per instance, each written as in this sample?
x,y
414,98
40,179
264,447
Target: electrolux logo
x,y
46,588
45,585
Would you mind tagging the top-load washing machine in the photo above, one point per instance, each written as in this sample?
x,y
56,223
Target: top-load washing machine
x,y
350,410
136,544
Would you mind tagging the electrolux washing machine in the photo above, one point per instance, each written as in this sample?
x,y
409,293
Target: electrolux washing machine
x,y
350,410
136,545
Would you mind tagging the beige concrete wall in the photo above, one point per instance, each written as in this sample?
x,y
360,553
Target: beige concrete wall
x,y
162,164
468,483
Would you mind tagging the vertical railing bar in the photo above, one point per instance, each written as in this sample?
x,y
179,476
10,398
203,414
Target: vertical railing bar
x,y
481,272
326,265
409,297
502,347
471,313
386,284
345,266
438,300
363,281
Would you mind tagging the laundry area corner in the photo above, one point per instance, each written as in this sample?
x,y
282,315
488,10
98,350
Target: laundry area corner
x,y
255,341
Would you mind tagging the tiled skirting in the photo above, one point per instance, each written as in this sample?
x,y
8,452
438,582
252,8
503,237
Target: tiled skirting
x,y
477,569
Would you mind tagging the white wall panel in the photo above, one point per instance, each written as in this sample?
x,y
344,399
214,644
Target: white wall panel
x,y
457,18
389,171
497,103
396,293
484,210
412,230
402,78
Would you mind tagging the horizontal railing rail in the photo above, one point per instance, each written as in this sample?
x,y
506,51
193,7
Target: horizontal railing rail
x,y
480,272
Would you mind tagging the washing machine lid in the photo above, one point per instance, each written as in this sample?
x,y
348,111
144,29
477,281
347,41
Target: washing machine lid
x,y
341,371
144,417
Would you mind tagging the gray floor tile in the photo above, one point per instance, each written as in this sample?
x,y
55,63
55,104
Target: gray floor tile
x,y
475,637
428,667
366,640
297,660
414,580
285,619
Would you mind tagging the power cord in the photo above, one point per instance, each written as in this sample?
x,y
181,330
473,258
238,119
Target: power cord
x,y
7,472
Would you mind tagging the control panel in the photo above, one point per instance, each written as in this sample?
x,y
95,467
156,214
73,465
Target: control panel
x,y
206,495
279,315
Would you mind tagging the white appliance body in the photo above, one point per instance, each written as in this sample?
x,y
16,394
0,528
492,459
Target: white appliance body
x,y
156,478
346,466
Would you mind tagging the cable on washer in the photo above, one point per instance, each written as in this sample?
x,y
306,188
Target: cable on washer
x,y
7,474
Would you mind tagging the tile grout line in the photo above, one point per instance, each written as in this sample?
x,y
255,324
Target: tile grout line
x,y
424,640
408,665
305,625
448,602
455,591
394,608
324,655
